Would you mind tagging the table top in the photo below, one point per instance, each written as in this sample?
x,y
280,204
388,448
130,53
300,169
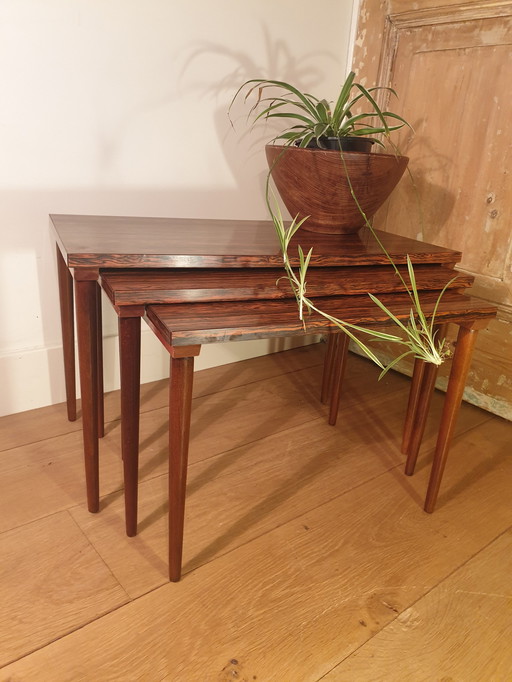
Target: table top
x,y
178,285
131,242
199,323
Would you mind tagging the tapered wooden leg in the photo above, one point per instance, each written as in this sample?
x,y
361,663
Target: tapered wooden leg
x,y
339,363
99,332
420,416
460,366
68,333
420,397
414,394
332,341
129,357
180,402
86,317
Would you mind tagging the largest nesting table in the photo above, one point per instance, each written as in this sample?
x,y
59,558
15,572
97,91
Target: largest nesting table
x,y
90,248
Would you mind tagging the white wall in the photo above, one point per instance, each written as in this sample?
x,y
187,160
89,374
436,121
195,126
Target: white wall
x,y
119,107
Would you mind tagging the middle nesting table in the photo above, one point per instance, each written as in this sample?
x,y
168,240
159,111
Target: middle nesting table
x,y
130,292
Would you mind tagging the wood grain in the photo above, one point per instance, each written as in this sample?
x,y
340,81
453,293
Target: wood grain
x,y
462,194
299,599
474,602
47,476
226,506
285,579
185,286
197,323
317,184
93,242
53,582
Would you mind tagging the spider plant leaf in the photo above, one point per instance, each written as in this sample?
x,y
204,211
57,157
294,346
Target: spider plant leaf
x,y
388,312
307,139
283,114
339,107
288,88
376,334
366,350
390,114
277,102
438,301
323,111
415,294
385,336
374,130
374,88
375,106
291,134
320,129
301,257
393,363
294,226
308,258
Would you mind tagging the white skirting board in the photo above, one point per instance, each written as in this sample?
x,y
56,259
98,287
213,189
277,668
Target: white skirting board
x,y
35,377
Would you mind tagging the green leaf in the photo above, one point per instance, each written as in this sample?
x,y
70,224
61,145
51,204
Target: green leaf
x,y
339,107
388,312
394,362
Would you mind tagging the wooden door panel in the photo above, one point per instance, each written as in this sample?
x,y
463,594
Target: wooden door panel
x,y
452,67
459,152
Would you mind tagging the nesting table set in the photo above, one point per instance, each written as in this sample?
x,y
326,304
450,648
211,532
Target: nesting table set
x,y
208,281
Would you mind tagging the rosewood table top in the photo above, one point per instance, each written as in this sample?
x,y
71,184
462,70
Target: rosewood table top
x,y
129,242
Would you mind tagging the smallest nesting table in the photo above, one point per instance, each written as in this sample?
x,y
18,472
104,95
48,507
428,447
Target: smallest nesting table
x,y
184,328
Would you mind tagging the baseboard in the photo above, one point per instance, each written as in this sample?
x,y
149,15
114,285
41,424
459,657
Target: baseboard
x,y
35,378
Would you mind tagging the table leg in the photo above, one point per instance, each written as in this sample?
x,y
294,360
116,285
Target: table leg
x,y
129,356
460,366
332,340
414,394
420,397
339,363
68,333
99,342
86,317
180,403
420,417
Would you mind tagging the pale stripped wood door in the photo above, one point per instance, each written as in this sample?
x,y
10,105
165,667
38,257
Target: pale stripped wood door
x,y
452,68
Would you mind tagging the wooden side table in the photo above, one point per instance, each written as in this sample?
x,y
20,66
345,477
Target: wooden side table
x,y
182,329
128,290
90,244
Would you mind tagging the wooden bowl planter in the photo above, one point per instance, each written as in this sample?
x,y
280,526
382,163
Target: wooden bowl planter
x,y
313,182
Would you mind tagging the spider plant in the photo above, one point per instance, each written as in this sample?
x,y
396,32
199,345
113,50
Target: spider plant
x,y
314,120
419,336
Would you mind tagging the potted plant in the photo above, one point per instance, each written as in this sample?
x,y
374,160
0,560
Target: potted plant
x,y
321,162
325,148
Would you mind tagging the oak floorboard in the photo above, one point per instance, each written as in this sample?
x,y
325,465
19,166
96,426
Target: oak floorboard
x,y
474,604
52,581
296,601
28,427
46,476
229,418
244,491
233,498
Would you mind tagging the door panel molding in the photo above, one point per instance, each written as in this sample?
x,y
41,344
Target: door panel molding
x,y
415,51
469,11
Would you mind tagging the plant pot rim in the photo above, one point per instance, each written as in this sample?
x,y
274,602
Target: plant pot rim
x,y
310,150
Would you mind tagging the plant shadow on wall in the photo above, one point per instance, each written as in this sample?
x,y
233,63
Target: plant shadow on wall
x,y
242,151
426,196
324,135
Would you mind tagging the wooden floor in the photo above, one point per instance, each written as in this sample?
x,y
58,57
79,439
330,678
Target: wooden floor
x,y
307,553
